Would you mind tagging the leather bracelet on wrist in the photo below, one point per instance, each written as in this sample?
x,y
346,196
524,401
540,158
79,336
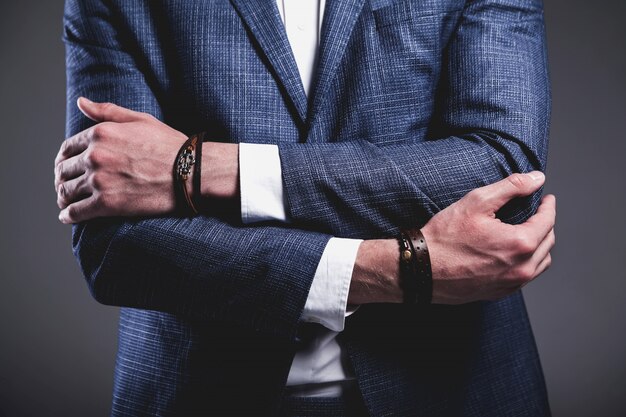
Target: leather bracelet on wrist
x,y
408,283
416,278
196,197
183,166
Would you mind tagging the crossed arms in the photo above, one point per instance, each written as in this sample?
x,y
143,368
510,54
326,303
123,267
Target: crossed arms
x,y
259,276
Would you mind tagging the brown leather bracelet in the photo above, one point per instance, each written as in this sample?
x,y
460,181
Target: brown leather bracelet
x,y
408,283
196,198
423,270
418,282
185,160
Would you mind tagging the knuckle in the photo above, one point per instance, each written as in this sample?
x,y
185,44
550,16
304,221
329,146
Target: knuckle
x,y
62,191
61,202
63,195
89,156
94,156
549,217
524,274
476,197
473,194
63,149
102,131
72,213
97,132
517,180
107,107
58,171
95,181
523,245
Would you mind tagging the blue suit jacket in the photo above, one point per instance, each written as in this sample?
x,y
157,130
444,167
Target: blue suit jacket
x,y
416,102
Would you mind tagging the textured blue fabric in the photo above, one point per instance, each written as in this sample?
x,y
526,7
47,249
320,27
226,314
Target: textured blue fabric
x,y
414,104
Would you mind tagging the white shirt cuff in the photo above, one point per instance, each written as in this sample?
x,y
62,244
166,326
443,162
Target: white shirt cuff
x,y
328,296
260,183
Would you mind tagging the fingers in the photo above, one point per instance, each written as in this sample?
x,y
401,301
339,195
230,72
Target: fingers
x,y
72,191
539,261
79,211
546,211
491,197
68,169
107,112
98,112
543,249
540,224
73,146
543,265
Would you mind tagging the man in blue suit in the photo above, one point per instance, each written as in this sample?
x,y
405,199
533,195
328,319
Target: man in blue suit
x,y
330,126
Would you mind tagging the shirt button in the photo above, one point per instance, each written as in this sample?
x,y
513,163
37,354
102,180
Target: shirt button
x,y
300,28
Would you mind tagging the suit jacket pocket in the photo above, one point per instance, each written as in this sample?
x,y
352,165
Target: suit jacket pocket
x,y
393,12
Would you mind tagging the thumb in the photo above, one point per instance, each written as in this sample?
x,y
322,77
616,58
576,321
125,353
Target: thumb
x,y
106,112
495,195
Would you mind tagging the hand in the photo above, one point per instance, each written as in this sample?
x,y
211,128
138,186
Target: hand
x,y
475,256
122,166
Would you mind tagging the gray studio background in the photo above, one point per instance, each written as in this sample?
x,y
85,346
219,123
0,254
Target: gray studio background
x,y
57,345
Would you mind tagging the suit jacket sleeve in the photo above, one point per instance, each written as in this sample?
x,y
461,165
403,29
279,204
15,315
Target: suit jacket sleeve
x,y
203,268
491,120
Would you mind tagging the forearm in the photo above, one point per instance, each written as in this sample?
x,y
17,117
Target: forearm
x,y
489,117
220,171
201,268
395,187
473,256
376,276
390,191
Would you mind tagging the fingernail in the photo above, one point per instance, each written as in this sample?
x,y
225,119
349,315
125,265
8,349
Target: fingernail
x,y
85,99
536,175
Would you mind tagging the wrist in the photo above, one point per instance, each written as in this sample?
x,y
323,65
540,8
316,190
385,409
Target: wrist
x,y
438,264
375,278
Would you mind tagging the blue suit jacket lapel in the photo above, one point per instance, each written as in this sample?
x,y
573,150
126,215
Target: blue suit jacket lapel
x,y
263,21
340,17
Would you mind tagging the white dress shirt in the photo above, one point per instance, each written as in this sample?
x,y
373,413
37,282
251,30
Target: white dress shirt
x,y
318,368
